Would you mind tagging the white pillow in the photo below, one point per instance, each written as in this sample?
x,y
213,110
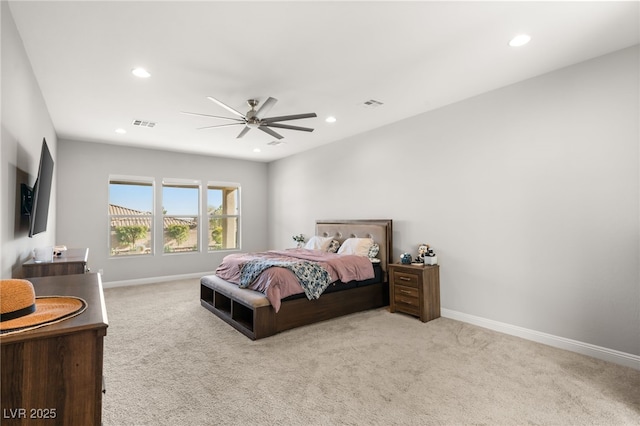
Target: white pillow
x,y
318,243
357,246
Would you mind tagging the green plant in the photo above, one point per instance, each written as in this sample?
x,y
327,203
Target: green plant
x,y
178,232
130,234
216,234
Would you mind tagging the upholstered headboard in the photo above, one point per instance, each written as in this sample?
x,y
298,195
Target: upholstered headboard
x,y
379,229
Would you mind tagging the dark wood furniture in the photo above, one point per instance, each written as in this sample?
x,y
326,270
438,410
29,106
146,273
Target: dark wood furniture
x,y
72,261
251,313
415,290
53,374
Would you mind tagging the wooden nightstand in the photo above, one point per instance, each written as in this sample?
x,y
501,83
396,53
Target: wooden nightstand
x,y
415,290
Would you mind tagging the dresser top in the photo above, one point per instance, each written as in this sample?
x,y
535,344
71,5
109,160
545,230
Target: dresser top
x,y
85,286
70,255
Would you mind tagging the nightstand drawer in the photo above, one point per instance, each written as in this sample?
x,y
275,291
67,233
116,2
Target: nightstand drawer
x,y
404,278
405,300
407,308
404,292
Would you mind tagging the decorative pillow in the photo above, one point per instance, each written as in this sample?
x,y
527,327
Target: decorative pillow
x,y
373,251
357,246
334,246
318,243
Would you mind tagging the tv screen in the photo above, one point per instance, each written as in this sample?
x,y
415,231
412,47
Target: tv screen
x,y
41,193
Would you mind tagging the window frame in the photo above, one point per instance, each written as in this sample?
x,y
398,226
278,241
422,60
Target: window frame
x,y
219,185
131,180
183,183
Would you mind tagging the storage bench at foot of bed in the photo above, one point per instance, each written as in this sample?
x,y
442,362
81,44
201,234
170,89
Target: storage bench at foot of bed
x,y
250,312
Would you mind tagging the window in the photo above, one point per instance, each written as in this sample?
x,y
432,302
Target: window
x,y
180,215
130,216
223,210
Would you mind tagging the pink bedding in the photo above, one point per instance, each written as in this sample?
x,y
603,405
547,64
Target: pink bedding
x,y
277,283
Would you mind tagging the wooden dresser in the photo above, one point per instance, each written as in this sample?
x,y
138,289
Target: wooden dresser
x,y
415,290
53,375
72,261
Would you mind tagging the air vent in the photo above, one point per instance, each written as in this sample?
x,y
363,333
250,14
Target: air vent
x,y
372,103
144,123
276,143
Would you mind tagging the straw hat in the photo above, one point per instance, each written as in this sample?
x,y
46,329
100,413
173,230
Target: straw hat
x,y
21,310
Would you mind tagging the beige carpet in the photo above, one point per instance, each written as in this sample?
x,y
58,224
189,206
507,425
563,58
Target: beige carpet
x,y
169,361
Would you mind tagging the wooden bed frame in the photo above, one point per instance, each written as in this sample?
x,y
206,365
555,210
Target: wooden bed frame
x,y
251,313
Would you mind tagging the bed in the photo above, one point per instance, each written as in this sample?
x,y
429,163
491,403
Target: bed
x,y
251,312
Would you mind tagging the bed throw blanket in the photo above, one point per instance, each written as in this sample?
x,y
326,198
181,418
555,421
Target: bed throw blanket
x,y
278,282
314,279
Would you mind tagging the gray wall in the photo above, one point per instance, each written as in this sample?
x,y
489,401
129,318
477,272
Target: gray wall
x,y
25,121
529,195
83,175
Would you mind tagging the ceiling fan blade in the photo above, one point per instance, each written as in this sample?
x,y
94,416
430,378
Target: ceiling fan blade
x,y
266,107
270,132
218,125
289,117
225,106
243,132
214,116
286,126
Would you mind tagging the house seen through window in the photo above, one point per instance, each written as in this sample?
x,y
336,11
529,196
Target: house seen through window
x,y
181,213
130,216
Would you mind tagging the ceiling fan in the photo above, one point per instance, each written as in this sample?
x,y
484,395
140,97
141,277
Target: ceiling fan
x,y
256,119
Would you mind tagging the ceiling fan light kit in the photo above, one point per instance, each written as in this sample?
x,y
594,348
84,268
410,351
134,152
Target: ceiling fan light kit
x,y
255,119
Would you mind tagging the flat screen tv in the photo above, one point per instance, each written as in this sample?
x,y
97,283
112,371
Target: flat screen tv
x,y
35,201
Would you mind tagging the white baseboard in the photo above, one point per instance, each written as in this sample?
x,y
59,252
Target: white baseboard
x,y
151,280
606,354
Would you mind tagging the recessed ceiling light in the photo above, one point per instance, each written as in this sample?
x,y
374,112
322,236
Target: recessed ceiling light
x,y
257,150
520,40
121,131
330,119
140,72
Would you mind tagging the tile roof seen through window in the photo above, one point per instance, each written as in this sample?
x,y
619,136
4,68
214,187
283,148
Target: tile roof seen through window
x,y
122,216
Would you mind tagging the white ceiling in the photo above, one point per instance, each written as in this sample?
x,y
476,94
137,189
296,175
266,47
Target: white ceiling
x,y
326,57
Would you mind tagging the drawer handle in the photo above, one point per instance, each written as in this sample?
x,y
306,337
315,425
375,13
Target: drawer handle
x,y
405,279
405,291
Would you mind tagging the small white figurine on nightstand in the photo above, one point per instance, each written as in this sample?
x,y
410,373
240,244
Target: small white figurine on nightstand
x,y
426,255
